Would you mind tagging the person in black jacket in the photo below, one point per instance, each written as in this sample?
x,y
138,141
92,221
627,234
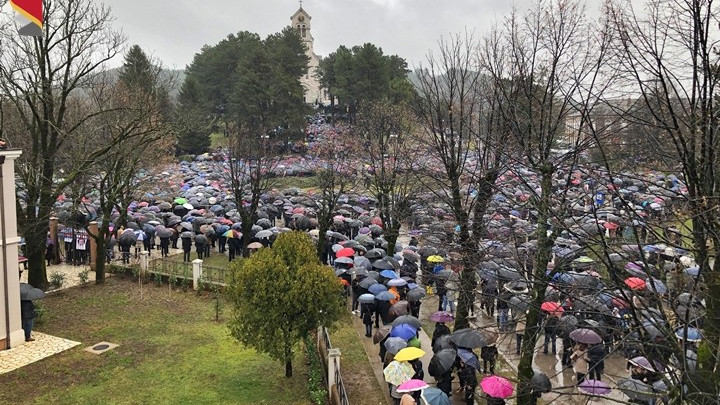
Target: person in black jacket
x,y
596,362
503,309
444,382
186,246
366,315
468,383
381,312
550,326
440,330
356,292
418,367
489,355
27,313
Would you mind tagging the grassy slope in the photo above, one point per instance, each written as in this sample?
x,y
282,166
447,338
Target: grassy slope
x,y
170,352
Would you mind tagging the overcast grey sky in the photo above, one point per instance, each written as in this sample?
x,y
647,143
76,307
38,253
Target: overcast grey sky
x,y
173,31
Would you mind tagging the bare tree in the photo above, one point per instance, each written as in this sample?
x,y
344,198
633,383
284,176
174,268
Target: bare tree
x,y
251,172
43,79
669,58
335,175
387,149
462,128
546,64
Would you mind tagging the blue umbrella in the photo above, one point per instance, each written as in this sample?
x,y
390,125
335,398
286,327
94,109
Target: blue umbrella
x,y
389,274
469,358
403,331
435,396
659,287
692,271
367,299
396,282
412,286
692,335
384,296
377,289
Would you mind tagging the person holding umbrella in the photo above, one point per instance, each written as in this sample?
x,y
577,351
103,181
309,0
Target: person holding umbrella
x,y
27,308
186,245
468,383
489,355
366,312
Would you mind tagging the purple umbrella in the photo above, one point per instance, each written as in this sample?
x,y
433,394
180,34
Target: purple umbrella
x,y
643,362
587,336
595,387
442,316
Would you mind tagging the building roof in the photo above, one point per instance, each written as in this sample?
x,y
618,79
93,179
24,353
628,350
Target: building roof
x,y
301,11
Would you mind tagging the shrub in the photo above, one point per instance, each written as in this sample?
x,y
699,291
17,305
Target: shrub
x,y
316,383
84,276
40,313
57,280
157,277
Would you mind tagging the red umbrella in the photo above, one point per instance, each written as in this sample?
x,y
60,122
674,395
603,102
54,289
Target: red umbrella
x,y
345,252
635,283
298,210
610,225
620,303
376,221
552,307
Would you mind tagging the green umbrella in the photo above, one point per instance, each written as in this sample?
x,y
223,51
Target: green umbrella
x,y
180,201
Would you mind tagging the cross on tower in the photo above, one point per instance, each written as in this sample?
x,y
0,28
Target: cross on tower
x,y
300,1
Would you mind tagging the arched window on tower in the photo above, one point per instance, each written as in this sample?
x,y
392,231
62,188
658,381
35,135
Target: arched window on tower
x,y
298,27
302,31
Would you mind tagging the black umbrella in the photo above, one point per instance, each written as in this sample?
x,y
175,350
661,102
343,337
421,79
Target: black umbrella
x,y
30,293
367,282
567,324
383,265
442,362
636,389
201,239
374,254
186,234
540,382
164,233
127,237
519,304
408,319
443,342
470,338
416,294
509,274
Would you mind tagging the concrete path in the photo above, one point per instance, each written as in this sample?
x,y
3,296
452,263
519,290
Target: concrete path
x,y
30,352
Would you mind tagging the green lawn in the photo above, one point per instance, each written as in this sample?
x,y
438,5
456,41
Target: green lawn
x,y
171,352
358,375
218,140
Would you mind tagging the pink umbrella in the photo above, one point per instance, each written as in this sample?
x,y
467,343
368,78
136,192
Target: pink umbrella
x,y
412,385
497,386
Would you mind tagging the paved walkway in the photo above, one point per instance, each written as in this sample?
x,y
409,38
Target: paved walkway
x,y
43,346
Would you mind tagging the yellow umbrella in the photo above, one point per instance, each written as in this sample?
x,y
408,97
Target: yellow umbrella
x,y
435,259
409,353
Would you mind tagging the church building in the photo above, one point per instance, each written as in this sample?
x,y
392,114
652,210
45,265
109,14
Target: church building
x,y
314,94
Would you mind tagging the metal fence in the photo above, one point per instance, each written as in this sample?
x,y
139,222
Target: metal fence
x,y
339,384
171,268
214,275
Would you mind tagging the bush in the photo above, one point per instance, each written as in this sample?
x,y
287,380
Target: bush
x,y
157,277
84,276
57,280
316,383
185,158
40,313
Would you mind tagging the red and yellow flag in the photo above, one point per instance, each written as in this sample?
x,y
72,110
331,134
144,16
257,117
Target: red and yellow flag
x,y
32,16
